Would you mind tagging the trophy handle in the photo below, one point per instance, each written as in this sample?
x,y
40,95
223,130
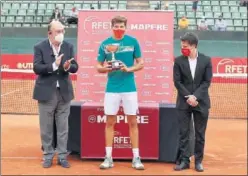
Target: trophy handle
x,y
113,56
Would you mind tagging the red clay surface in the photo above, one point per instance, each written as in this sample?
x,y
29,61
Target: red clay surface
x,y
225,153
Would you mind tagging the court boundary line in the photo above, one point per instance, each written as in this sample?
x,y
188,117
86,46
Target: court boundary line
x,y
11,92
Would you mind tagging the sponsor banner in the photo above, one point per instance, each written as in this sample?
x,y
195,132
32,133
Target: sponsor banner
x,y
21,65
93,128
229,70
157,52
225,70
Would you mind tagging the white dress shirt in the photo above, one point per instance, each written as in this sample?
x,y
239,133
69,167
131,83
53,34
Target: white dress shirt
x,y
56,54
192,65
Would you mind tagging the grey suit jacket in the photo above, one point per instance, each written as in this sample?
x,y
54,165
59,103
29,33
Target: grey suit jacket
x,y
45,85
198,86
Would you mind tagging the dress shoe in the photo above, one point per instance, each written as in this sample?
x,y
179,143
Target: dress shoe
x,y
199,167
64,163
181,166
47,163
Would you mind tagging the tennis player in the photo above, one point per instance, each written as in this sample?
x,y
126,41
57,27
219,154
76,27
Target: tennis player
x,y
121,86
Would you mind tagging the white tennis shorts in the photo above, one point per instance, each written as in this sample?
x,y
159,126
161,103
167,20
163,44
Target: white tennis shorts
x,y
128,100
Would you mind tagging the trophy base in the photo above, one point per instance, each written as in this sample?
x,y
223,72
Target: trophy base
x,y
116,65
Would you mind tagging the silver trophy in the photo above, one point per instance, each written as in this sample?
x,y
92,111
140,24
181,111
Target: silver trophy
x,y
115,64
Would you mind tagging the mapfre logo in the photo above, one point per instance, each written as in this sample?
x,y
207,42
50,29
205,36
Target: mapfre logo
x,y
141,119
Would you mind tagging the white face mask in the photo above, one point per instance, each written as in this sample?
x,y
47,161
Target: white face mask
x,y
59,38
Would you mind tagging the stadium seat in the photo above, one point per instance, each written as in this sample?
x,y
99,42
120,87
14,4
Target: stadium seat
x,y
7,25
209,14
122,6
216,9
232,3
225,9
223,3
239,29
42,6
7,6
33,6
188,8
229,22
227,15
26,25
38,19
243,9
180,8
24,6
244,16
40,12
60,6
15,6
114,6
69,6
190,14
10,19
234,9
172,7
214,3
31,12
86,6
238,23
22,12
17,25
13,12
245,23
210,21
2,19
19,19
29,19
180,14
207,8
217,14
199,14
230,28
236,15
205,3
51,6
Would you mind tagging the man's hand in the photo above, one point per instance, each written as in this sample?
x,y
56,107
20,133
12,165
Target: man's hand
x,y
58,59
192,100
67,64
104,67
124,68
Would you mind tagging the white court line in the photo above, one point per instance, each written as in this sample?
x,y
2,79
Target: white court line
x,y
10,92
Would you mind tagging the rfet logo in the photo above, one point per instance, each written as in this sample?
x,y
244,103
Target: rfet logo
x,y
94,25
231,66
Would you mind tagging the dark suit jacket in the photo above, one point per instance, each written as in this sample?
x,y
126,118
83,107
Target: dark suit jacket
x,y
45,85
198,87
53,16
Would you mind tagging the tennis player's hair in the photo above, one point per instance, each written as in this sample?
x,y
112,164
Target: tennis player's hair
x,y
119,19
191,38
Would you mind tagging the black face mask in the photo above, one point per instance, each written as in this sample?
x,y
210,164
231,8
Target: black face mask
x,y
220,19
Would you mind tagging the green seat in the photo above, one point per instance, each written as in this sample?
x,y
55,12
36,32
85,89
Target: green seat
x,y
188,8
17,25
13,12
181,8
238,23
31,12
50,6
19,19
24,6
49,12
229,22
38,19
60,6
190,14
234,9
15,6
73,26
230,28
78,6
172,7
69,6
245,22
104,6
7,25
205,3
243,9
46,19
200,8
122,6
105,2
199,14
214,3
29,19
216,8
115,6
32,6
22,12
217,14
227,15
35,25
239,29
4,11
122,2
40,12
180,14
42,6
95,6
192,28
223,3
244,16
236,15
10,19
225,8
208,14
192,21
207,9
2,19
232,3
153,6
86,6
44,25
210,21
6,6
26,25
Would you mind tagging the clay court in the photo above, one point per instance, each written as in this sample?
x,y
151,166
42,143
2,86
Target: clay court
x,y
226,152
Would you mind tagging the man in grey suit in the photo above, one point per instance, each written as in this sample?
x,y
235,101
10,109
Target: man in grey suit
x,y
53,61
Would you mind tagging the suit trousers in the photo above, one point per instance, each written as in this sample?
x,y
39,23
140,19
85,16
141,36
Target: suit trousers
x,y
55,109
200,124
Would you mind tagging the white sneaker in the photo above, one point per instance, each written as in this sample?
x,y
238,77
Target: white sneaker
x,y
136,164
107,163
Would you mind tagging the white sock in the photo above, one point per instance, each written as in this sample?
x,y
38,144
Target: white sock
x,y
108,151
135,152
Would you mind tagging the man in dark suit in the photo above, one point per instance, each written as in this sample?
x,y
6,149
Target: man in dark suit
x,y
192,77
53,61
